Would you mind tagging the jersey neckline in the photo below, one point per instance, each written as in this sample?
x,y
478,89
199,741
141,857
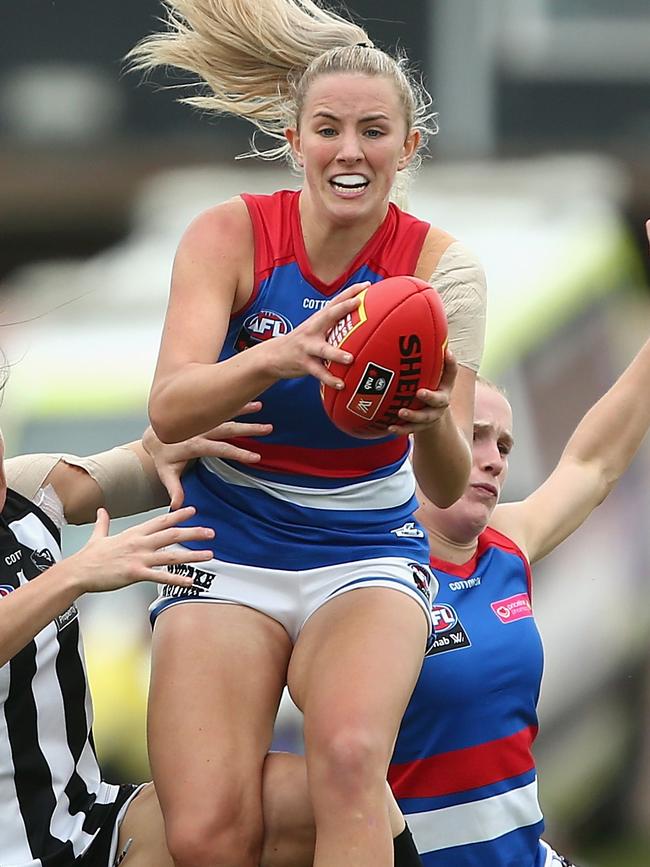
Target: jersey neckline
x,y
375,240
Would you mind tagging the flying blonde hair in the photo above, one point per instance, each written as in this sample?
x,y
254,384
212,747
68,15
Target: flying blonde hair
x,y
256,59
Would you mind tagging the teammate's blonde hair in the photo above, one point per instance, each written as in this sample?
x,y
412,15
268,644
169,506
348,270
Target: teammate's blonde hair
x,y
256,59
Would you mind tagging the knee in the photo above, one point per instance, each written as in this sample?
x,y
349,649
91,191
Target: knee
x,y
225,839
349,758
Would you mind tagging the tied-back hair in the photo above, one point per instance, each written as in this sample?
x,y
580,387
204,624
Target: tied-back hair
x,y
494,386
256,59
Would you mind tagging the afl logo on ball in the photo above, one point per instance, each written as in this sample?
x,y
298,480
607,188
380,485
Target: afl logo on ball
x,y
370,391
261,326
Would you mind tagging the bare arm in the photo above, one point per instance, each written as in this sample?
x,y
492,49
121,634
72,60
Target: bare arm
x,y
442,455
104,563
129,479
597,454
212,276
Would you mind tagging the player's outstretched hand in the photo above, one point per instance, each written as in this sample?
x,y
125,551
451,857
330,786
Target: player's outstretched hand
x,y
305,349
171,459
436,402
110,562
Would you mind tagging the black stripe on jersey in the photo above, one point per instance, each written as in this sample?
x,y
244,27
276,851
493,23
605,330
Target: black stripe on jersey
x,y
32,777
72,680
17,507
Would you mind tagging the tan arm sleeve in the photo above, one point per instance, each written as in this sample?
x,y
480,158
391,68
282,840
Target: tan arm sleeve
x,y
26,474
460,282
126,487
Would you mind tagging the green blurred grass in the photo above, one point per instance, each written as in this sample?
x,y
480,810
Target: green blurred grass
x,y
625,853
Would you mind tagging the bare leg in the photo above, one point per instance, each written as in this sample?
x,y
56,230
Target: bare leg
x,y
289,832
352,672
217,675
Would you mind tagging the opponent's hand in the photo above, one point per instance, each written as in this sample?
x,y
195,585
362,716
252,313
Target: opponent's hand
x,y
171,459
110,562
437,402
305,349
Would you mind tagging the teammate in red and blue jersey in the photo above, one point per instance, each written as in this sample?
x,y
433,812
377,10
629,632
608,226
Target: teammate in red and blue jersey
x,y
463,771
321,514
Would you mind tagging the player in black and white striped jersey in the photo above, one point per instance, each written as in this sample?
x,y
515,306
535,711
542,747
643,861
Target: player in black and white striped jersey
x,y
56,809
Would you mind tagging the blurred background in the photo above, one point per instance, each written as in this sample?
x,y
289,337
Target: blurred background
x,y
542,165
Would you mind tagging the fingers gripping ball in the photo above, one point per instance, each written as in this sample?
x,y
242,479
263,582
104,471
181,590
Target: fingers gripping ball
x,y
397,336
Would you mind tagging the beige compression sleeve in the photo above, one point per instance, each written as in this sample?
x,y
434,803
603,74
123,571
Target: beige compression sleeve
x,y
460,281
126,486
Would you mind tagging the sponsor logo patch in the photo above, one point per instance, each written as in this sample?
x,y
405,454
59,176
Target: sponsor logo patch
x,y
314,303
5,590
448,632
370,391
408,531
513,608
42,559
201,581
67,617
465,583
261,326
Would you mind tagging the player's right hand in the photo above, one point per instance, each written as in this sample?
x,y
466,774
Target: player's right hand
x,y
305,349
110,562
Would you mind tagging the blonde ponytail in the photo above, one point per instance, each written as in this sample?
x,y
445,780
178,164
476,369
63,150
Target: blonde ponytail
x,y
255,59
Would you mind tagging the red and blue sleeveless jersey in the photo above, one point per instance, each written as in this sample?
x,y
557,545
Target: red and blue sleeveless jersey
x,y
463,770
344,494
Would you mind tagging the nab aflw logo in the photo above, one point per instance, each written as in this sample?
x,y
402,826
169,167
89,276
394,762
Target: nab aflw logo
x,y
261,326
448,632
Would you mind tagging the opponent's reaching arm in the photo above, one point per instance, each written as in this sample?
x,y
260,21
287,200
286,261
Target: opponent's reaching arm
x,y
104,563
597,454
131,478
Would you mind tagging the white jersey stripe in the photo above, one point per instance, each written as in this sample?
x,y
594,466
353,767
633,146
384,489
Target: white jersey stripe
x,y
30,531
476,822
385,493
15,846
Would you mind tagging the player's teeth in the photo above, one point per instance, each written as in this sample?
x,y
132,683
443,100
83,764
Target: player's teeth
x,y
349,180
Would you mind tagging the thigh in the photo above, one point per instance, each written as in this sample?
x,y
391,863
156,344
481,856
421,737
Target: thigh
x,y
357,660
217,675
142,832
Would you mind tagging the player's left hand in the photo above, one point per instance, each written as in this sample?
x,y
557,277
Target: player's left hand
x,y
171,459
436,402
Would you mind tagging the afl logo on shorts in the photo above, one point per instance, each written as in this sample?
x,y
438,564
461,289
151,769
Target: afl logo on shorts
x,y
5,590
421,578
261,326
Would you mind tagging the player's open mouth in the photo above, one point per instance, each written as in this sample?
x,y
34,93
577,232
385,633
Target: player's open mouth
x,y
349,185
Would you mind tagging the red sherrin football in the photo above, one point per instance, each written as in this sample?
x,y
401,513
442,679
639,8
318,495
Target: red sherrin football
x,y
397,336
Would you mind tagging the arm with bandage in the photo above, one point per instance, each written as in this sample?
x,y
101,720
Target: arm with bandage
x,y
128,479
